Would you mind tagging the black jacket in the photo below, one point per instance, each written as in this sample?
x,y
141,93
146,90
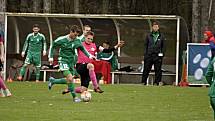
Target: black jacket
x,y
153,49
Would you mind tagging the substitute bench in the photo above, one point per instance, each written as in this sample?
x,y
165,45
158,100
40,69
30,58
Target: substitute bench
x,y
138,60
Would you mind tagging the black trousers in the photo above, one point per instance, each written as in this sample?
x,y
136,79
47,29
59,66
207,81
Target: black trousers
x,y
148,62
84,74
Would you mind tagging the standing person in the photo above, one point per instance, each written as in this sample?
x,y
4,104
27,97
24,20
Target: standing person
x,y
209,38
35,42
210,76
5,92
153,54
67,44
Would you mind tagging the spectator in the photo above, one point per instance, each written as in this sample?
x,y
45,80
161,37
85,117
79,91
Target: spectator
x,y
153,54
110,57
209,38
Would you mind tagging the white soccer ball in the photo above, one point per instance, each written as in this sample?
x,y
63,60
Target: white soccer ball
x,y
86,96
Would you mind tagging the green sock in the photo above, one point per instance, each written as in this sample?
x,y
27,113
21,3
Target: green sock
x,y
59,81
71,88
22,70
37,73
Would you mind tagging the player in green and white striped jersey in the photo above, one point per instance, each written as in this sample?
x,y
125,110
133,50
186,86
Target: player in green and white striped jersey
x,y
35,42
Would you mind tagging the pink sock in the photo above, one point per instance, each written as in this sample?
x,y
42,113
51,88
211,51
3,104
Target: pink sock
x,y
78,89
2,85
93,78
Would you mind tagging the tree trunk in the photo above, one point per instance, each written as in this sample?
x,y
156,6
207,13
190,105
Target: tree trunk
x,y
76,6
105,4
195,21
36,6
204,16
46,6
2,6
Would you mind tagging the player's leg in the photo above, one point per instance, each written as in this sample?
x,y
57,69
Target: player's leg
x,y
23,68
71,85
93,78
4,90
37,63
212,101
53,81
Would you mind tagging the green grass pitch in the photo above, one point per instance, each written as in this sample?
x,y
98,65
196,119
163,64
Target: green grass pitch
x,y
34,102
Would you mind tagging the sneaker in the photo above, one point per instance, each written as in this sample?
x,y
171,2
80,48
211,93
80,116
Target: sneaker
x,y
19,78
50,84
2,93
65,91
7,92
98,90
76,100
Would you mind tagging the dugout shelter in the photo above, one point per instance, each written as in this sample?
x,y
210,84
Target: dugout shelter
x,y
130,28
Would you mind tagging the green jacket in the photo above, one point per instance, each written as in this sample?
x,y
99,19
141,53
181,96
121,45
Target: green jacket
x,y
34,43
210,77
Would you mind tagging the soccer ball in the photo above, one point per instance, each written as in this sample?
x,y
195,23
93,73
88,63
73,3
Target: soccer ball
x,y
86,96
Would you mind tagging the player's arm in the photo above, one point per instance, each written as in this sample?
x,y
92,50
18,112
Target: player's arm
x,y
2,51
120,44
44,45
53,46
25,45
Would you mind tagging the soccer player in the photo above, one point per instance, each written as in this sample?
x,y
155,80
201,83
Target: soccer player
x,y
86,28
3,88
210,76
67,44
84,66
33,46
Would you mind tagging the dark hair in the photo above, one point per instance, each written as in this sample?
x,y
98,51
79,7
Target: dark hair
x,y
90,33
36,25
106,42
86,26
75,28
155,23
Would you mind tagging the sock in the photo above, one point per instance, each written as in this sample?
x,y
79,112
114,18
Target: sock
x,y
59,81
2,85
37,73
71,87
93,78
22,71
78,89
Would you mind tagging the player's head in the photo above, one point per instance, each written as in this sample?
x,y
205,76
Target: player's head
x,y
86,28
74,31
106,44
36,28
208,34
89,37
155,26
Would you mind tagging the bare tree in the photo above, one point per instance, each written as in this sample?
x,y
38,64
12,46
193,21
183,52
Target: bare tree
x,y
76,6
2,5
47,6
36,6
195,21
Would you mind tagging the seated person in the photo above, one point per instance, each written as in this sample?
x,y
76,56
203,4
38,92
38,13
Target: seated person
x,y
110,57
